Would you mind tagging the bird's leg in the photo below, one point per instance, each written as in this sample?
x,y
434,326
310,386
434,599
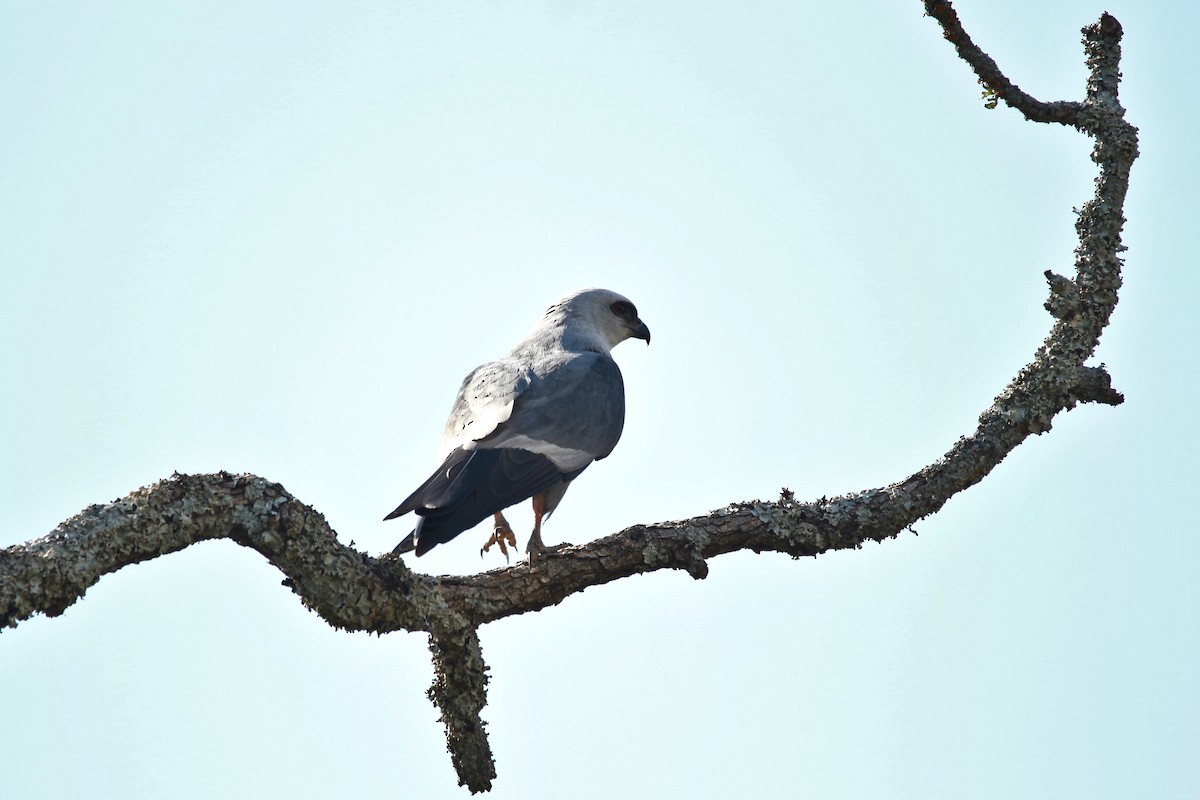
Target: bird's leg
x,y
502,536
535,547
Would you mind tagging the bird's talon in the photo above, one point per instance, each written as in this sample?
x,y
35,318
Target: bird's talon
x,y
503,537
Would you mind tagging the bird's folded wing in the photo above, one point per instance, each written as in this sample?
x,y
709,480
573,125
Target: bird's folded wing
x,y
485,400
572,411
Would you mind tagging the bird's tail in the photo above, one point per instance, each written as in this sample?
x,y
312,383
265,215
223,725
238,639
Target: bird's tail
x,y
407,545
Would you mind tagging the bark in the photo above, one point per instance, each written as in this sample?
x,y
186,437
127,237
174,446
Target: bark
x,y
354,591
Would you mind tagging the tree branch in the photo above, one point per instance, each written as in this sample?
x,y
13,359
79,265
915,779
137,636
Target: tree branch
x,y
354,591
991,76
347,588
459,691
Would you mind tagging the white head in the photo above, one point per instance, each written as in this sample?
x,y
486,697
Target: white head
x,y
596,319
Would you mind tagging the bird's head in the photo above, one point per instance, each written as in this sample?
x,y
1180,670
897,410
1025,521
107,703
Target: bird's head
x,y
600,314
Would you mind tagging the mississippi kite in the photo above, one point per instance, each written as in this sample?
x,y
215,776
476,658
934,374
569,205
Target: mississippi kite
x,y
528,424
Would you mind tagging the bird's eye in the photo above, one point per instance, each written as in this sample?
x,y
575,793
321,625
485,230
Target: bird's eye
x,y
623,309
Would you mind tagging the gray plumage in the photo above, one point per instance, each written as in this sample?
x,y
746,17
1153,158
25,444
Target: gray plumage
x,y
529,423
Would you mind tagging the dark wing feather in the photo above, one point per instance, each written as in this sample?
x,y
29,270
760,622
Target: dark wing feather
x,y
438,481
469,487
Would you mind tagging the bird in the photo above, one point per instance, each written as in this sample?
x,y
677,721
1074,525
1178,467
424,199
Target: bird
x,y
526,425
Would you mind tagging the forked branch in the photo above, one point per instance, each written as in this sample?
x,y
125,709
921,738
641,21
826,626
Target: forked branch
x,y
354,591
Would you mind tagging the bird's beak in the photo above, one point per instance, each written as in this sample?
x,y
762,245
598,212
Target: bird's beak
x,y
641,332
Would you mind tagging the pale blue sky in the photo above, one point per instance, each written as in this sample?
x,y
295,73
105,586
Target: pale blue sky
x,y
272,237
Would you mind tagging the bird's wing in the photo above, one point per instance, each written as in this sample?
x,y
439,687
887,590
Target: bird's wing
x,y
485,400
572,411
